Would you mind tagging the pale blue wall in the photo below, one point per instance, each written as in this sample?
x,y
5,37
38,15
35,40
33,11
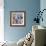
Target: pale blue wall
x,y
43,6
30,6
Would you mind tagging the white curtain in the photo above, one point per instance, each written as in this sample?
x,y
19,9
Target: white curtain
x,y
1,20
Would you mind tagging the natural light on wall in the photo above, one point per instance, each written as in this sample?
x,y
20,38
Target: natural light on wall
x,y
1,20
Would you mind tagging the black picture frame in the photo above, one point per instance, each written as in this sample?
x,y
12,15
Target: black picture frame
x,y
17,18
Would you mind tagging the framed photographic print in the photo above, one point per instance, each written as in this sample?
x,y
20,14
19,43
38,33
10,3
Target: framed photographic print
x,y
17,18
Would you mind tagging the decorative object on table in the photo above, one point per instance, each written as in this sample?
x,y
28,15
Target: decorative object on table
x,y
4,43
39,16
17,18
28,40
